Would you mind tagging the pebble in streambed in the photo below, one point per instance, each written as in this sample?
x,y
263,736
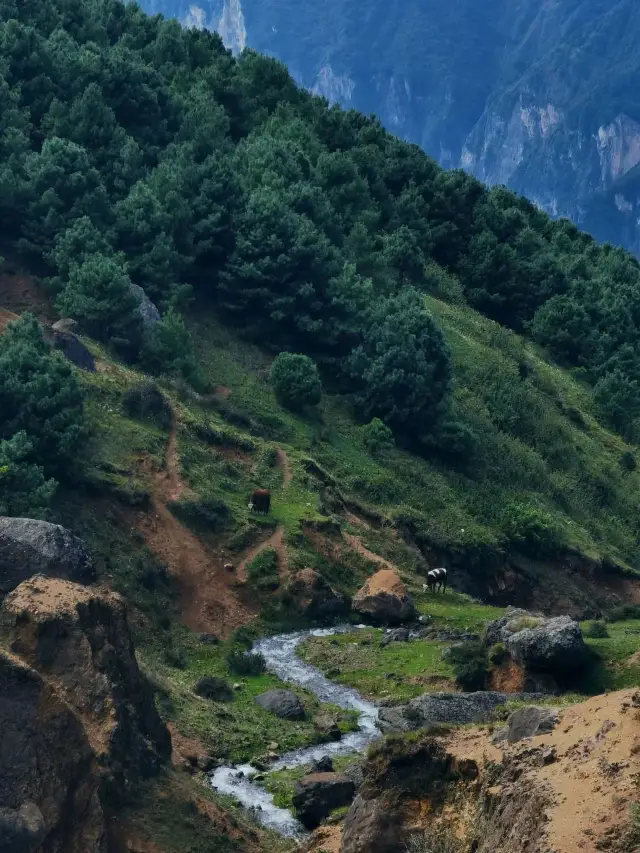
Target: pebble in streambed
x,y
280,655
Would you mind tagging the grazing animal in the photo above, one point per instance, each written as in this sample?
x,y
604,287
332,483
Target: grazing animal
x,y
260,501
436,580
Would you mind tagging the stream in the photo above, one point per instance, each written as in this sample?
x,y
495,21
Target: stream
x,y
280,655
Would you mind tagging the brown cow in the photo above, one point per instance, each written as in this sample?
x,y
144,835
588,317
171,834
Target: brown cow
x,y
260,501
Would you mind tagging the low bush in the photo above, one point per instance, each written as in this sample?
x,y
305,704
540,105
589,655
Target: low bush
x,y
209,513
497,654
145,401
295,380
623,612
470,665
262,571
628,462
377,437
246,663
597,630
532,530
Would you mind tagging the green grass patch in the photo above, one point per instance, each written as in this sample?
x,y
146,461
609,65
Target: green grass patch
x,y
616,657
399,671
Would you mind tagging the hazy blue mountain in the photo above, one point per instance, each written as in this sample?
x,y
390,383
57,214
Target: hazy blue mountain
x,y
543,96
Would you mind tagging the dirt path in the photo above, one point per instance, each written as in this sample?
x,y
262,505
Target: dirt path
x,y
285,466
209,599
276,541
357,545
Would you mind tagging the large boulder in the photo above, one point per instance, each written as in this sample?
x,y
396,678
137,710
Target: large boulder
x,y
372,827
527,722
496,630
384,599
449,708
317,795
48,784
29,547
73,349
78,638
146,310
283,703
312,596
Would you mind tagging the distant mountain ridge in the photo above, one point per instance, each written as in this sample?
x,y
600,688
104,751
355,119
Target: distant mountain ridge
x,y
540,96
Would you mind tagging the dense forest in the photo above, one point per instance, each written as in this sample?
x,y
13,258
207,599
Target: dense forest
x,y
136,154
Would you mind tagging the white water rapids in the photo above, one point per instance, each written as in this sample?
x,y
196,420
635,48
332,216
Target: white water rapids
x,y
280,654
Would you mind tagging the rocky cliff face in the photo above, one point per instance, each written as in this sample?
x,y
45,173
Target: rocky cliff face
x,y
78,721
538,95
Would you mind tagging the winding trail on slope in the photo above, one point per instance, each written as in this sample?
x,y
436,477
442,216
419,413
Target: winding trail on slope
x,y
276,540
209,600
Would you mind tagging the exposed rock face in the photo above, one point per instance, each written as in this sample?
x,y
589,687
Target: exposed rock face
x,y
66,326
48,784
537,643
74,350
282,703
453,708
527,722
78,639
371,827
315,796
384,599
29,547
146,310
313,597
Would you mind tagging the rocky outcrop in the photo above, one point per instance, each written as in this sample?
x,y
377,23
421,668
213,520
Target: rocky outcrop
x,y
29,547
283,703
73,349
527,722
448,708
312,597
553,645
384,599
397,773
78,639
146,310
48,781
317,795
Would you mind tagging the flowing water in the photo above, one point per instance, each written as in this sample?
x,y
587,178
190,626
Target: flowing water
x,y
280,655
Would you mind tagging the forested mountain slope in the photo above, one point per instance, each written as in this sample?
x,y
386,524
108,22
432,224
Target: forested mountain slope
x,y
272,293
539,96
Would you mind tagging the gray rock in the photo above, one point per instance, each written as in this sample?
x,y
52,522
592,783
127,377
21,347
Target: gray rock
x,y
372,827
495,631
212,687
21,830
322,765
72,349
315,796
451,708
327,726
66,325
527,722
146,310
355,773
29,547
555,646
283,703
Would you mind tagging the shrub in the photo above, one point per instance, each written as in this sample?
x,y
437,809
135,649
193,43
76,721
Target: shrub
x,y
597,630
246,663
628,461
212,687
262,571
531,529
470,665
377,437
434,840
146,401
497,654
24,491
623,612
295,381
166,348
207,512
